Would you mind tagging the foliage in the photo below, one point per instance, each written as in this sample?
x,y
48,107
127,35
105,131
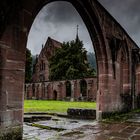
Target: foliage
x,y
28,68
70,62
92,60
54,106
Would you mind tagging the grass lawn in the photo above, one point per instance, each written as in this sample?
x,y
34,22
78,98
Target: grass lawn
x,y
54,106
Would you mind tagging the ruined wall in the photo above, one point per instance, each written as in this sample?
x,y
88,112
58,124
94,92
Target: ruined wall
x,y
116,66
16,18
56,90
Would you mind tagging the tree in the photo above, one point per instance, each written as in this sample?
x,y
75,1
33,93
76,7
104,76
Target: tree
x,y
70,62
92,60
28,68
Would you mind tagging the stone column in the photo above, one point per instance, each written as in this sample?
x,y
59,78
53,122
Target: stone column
x,y
11,90
63,90
72,90
108,95
77,89
46,91
89,89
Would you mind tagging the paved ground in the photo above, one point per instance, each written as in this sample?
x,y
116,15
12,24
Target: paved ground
x,y
85,130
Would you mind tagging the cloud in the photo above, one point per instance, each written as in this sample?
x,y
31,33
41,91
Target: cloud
x,y
126,12
57,20
61,13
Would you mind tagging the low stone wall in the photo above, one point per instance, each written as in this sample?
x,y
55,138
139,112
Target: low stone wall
x,y
81,113
57,90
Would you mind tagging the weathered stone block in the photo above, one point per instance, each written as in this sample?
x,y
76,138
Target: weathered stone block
x,y
81,113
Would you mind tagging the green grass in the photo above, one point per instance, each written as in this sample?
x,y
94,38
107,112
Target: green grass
x,y
54,106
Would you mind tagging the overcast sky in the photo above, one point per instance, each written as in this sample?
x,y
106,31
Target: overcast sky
x,y
59,20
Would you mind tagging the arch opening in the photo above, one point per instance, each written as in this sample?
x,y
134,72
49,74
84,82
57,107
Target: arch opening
x,y
55,95
68,89
83,88
41,65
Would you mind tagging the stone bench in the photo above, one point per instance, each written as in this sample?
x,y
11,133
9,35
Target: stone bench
x,y
81,113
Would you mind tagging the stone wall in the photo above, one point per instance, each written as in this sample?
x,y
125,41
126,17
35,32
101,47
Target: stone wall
x,y
110,42
56,90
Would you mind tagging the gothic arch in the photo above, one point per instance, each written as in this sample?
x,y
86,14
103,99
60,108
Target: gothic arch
x,y
15,22
90,15
92,23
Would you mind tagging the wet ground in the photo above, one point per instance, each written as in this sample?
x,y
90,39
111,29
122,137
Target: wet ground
x,y
72,129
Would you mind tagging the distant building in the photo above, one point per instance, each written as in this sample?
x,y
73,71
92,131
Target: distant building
x,y
41,88
41,66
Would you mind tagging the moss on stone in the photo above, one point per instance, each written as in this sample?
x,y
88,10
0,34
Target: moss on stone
x,y
14,133
73,133
47,127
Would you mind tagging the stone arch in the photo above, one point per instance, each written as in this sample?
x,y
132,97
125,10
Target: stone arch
x,y
93,25
98,38
88,10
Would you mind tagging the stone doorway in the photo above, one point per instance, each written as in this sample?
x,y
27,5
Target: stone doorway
x,y
55,95
68,89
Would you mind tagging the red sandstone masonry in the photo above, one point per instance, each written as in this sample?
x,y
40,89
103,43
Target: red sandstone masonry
x,y
102,28
60,88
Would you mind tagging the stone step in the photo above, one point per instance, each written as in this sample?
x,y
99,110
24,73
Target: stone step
x,y
81,113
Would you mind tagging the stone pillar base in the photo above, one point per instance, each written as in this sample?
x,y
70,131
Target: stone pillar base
x,y
98,115
72,99
11,133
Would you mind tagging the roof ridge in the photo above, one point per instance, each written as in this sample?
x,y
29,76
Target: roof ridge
x,y
54,40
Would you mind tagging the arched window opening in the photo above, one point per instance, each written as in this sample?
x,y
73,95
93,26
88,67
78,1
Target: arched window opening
x,y
68,89
33,89
55,95
83,88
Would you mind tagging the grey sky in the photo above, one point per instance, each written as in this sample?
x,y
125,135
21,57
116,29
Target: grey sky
x,y
59,19
127,13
